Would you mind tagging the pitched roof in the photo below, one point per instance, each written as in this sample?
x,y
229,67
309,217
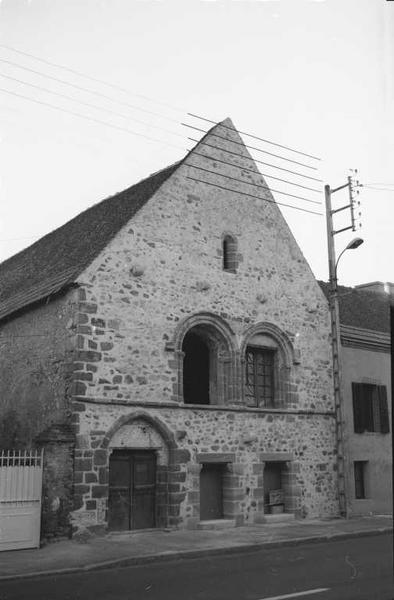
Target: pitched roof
x,y
361,308
54,261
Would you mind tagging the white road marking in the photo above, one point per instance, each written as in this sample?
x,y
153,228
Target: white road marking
x,y
298,594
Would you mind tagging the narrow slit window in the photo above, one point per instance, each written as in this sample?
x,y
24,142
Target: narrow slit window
x,y
230,262
360,467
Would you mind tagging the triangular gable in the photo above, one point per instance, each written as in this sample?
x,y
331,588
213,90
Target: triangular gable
x,y
220,159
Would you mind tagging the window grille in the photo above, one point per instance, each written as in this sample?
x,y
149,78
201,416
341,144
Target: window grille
x,y
260,371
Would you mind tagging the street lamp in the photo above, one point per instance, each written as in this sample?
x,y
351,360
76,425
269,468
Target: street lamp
x,y
336,351
355,243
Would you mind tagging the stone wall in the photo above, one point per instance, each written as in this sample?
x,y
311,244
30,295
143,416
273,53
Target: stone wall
x,y
161,274
248,438
36,364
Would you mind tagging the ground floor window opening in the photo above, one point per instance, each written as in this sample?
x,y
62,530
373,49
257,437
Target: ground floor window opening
x,y
274,493
211,491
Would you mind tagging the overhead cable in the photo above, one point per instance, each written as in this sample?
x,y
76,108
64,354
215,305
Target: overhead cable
x,y
90,105
252,196
251,147
257,172
255,137
257,161
265,187
83,89
95,79
378,189
92,119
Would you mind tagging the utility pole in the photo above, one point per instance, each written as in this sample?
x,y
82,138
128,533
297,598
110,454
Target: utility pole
x,y
336,331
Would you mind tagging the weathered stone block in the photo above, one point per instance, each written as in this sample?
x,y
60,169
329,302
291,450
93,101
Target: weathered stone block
x,y
100,457
99,491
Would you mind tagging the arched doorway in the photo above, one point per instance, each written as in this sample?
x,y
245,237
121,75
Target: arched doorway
x,y
138,469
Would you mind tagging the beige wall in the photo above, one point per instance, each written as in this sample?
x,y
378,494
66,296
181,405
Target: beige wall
x,y
368,366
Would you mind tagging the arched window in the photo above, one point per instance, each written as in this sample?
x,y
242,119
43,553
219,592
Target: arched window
x,y
267,356
260,375
230,261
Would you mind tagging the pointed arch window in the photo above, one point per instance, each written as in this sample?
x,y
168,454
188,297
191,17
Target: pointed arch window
x,y
230,257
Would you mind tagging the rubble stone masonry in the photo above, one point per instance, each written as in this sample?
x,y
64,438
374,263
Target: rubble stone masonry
x,y
162,274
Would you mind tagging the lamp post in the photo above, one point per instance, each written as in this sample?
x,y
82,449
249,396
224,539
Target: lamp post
x,y
336,349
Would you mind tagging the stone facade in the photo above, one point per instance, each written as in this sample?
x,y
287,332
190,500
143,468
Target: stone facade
x,y
162,276
37,359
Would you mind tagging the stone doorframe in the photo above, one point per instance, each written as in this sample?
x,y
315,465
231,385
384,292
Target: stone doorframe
x,y
231,489
292,492
169,476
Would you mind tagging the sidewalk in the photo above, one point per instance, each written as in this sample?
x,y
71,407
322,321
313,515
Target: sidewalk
x,y
132,548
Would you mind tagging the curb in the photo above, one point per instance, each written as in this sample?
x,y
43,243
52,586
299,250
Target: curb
x,y
170,555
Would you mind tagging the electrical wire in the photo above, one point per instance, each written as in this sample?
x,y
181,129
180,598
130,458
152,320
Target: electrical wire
x,y
252,196
83,89
92,119
265,187
255,137
258,172
257,161
90,105
251,147
127,91
378,189
95,79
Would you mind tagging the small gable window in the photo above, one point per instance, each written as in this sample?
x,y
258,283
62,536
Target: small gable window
x,y
230,261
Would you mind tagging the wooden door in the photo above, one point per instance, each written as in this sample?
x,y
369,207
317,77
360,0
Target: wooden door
x,y
211,491
132,490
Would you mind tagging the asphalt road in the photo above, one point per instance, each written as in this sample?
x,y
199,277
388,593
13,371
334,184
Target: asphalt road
x,y
339,570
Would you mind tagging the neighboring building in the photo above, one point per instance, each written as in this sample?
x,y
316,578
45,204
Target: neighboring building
x,y
366,381
170,348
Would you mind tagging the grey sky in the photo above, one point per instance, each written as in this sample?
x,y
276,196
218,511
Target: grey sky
x,y
313,75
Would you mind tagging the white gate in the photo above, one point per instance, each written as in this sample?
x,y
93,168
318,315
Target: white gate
x,y
20,498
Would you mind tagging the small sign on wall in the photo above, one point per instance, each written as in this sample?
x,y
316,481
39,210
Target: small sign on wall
x,y
276,497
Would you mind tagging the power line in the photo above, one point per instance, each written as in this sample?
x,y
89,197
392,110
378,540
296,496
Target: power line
x,y
256,137
95,79
128,131
257,161
374,183
377,189
92,119
83,89
252,196
90,105
251,147
127,91
265,187
258,172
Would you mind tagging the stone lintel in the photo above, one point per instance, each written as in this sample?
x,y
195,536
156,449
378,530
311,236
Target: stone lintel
x,y
276,456
216,457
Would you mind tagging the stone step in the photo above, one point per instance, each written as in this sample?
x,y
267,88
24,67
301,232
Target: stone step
x,y
216,524
279,518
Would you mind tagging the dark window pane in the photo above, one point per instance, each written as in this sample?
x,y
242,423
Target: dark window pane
x,y
195,369
230,254
359,478
384,412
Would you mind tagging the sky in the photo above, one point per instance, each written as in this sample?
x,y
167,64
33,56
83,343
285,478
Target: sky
x,y
311,75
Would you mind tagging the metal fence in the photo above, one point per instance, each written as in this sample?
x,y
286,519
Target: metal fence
x,y
20,498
